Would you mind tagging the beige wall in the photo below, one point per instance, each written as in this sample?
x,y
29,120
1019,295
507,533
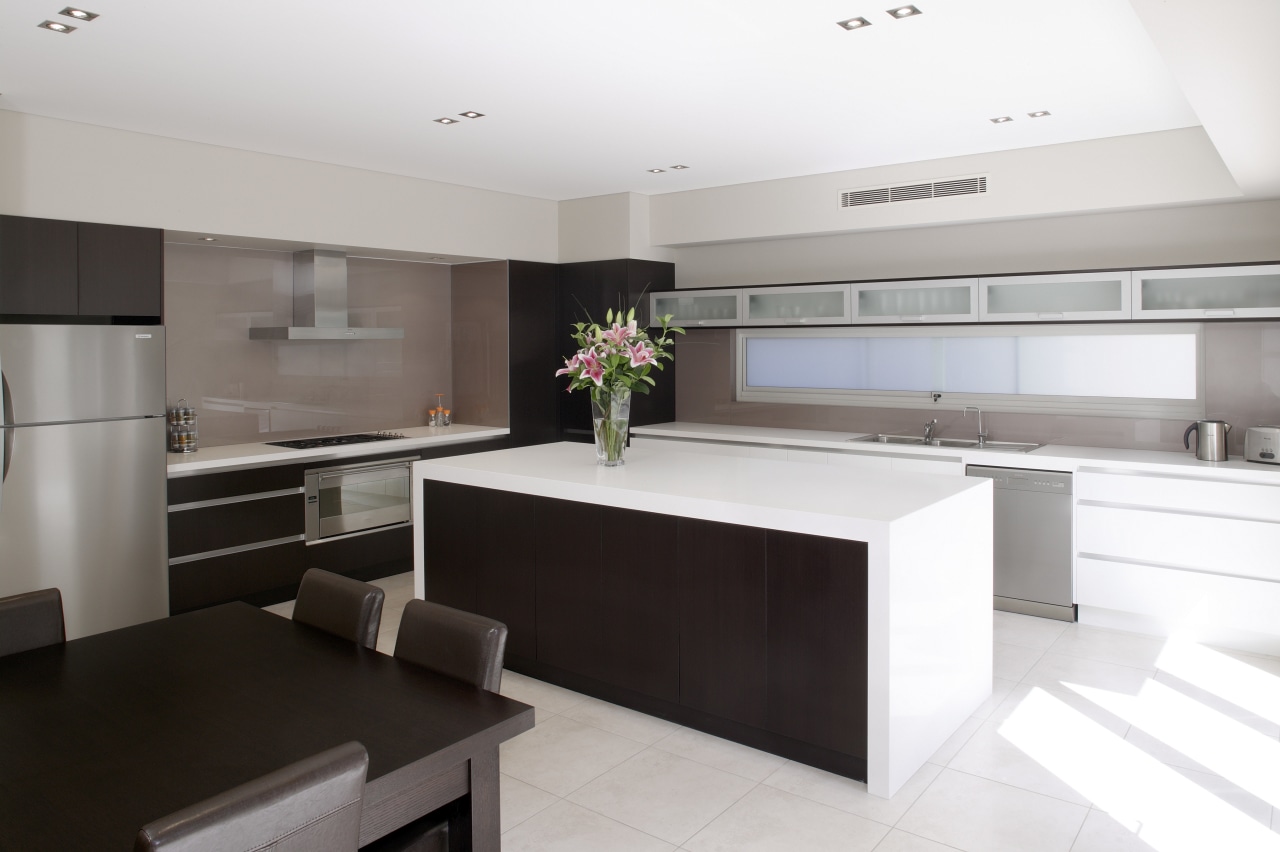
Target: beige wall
x,y
1218,233
246,391
68,170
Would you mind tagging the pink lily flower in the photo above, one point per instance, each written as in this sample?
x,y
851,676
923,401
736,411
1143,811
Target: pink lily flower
x,y
618,335
570,365
640,354
592,369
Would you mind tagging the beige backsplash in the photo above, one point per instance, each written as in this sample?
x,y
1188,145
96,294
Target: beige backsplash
x,y
1242,375
254,390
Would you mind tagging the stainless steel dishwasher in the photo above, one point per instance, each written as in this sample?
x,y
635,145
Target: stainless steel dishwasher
x,y
1032,541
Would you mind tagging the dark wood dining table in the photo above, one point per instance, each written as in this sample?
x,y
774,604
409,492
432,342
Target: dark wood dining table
x,y
106,733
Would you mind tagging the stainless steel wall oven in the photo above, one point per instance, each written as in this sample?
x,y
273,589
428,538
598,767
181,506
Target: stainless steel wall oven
x,y
357,498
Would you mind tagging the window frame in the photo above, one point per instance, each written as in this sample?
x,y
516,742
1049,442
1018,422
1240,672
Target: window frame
x,y
1135,407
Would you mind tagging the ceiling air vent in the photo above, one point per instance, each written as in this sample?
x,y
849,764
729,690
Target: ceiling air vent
x,y
914,191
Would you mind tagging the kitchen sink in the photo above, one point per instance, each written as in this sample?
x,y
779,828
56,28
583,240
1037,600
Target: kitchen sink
x,y
954,443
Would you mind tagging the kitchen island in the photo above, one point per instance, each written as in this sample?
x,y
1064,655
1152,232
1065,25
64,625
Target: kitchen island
x,y
840,618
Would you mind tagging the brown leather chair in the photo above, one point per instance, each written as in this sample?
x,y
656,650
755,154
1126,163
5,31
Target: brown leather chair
x,y
31,620
340,605
309,806
459,644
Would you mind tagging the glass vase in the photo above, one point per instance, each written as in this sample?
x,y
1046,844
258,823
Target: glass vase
x,y
610,414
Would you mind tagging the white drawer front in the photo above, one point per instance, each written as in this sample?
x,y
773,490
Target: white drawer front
x,y
1215,496
862,461
1179,597
1220,545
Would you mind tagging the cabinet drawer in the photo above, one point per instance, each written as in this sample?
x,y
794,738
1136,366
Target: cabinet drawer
x,y
1178,598
1220,497
235,524
1211,543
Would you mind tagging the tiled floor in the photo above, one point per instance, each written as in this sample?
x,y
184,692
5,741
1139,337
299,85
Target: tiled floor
x,y
1093,741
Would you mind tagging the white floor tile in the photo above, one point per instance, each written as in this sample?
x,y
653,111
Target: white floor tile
x,y
720,754
1012,662
566,827
1102,833
662,794
621,721
978,815
956,741
989,755
900,841
1000,689
1058,669
769,820
1242,800
1013,628
849,795
539,694
1066,695
520,801
1110,646
562,754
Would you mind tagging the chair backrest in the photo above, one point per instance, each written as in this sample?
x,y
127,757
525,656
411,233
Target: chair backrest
x,y
459,644
309,806
31,620
340,605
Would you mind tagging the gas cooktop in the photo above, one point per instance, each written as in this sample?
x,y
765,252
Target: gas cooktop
x,y
336,440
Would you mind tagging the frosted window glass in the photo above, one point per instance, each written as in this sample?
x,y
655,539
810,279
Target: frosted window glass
x,y
802,362
980,365
1154,366
899,363
1063,296
792,305
1244,291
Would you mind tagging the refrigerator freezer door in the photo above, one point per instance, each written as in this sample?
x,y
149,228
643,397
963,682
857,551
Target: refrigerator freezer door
x,y
62,373
83,509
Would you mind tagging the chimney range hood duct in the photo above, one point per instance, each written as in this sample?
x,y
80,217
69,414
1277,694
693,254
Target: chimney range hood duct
x,y
320,303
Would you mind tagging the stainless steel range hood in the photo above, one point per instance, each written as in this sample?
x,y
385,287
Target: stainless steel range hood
x,y
320,303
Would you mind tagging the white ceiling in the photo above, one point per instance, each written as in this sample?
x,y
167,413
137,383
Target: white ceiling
x,y
582,96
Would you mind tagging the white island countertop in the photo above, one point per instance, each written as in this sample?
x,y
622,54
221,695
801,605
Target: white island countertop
x,y
929,558
238,456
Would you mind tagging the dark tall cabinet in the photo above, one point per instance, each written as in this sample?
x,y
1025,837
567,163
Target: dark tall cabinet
x,y
533,353
589,289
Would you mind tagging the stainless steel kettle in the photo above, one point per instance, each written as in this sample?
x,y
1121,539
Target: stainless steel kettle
x,y
1211,439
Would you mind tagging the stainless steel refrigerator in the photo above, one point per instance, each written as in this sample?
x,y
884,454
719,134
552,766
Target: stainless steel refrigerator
x,y
82,497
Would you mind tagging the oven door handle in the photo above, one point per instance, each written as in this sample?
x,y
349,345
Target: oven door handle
x,y
364,474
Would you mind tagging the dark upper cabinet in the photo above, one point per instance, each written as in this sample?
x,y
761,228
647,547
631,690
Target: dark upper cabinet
x,y
54,268
37,266
121,270
587,291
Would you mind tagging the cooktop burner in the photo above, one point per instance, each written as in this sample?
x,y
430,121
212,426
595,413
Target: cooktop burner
x,y
336,440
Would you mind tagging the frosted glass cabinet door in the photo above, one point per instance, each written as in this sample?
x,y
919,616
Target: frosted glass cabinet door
x,y
1209,293
818,304
697,308
952,300
1070,296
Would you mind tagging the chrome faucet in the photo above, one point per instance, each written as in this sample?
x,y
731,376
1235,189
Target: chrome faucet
x,y
982,433
928,430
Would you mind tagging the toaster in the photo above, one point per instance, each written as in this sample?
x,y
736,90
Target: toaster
x,y
1262,444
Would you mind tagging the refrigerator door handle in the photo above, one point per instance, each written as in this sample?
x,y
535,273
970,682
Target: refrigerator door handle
x,y
6,432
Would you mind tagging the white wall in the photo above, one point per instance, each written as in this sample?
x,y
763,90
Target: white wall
x,y
1174,167
1216,233
67,170
607,227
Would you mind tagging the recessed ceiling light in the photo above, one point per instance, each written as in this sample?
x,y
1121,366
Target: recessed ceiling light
x,y
471,114
209,239
1004,119
854,23
446,121
78,14
1040,113
656,171
57,27
679,167
904,12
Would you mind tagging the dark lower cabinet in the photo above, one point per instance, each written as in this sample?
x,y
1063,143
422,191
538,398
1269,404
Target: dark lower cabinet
x,y
723,619
755,635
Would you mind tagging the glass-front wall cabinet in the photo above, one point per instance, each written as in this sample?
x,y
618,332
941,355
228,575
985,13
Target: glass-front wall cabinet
x,y
819,304
953,300
698,309
1087,296
1214,292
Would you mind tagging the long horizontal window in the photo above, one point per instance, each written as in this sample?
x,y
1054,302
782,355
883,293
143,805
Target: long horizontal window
x,y
1120,370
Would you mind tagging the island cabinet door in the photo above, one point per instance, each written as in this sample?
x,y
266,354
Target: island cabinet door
x,y
479,557
723,619
817,658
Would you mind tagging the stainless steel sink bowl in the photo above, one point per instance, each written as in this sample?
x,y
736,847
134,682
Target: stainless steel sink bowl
x,y
953,443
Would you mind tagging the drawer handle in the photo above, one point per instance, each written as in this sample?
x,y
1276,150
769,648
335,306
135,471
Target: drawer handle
x,y
1220,313
913,319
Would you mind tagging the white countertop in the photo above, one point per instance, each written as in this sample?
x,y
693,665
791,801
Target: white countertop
x,y
237,456
809,499
1048,457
